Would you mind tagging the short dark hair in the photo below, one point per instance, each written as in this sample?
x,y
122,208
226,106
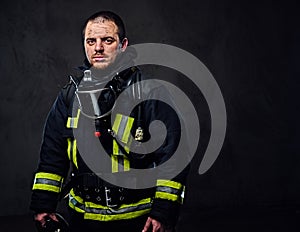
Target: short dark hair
x,y
111,16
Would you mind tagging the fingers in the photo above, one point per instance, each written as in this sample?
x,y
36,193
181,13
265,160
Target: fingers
x,y
147,225
42,217
156,225
53,217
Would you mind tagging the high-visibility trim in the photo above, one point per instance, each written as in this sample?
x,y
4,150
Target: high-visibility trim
x,y
119,163
121,127
105,217
73,122
69,149
170,190
47,181
46,187
72,151
115,148
169,183
50,176
128,127
104,213
168,196
76,202
126,163
117,122
114,163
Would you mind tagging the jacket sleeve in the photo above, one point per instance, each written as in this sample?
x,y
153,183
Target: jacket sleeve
x,y
53,162
169,193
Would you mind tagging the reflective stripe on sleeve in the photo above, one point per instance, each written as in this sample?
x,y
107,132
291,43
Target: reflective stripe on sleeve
x,y
170,190
47,181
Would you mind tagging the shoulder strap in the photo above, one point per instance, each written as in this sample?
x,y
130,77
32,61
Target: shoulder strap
x,y
68,90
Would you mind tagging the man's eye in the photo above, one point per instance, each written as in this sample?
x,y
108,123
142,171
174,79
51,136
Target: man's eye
x,y
108,40
90,41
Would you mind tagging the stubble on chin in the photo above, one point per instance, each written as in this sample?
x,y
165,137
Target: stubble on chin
x,y
100,66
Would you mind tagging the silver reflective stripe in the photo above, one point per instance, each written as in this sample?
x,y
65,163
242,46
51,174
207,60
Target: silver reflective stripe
x,y
122,127
75,202
72,122
169,190
111,211
120,163
48,182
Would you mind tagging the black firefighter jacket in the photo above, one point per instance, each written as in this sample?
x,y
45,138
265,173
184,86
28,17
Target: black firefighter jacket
x,y
60,146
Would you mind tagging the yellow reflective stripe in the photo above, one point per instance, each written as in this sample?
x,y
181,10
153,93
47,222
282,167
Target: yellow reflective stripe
x,y
126,164
79,210
47,181
104,213
124,216
77,198
128,127
168,196
69,147
117,157
115,148
46,187
74,153
117,122
170,190
126,149
50,176
125,211
73,122
122,207
114,163
169,183
122,126
76,202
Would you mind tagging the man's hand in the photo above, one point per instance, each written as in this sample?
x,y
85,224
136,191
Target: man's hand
x,y
156,226
42,217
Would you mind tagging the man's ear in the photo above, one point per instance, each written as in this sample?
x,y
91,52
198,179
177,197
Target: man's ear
x,y
124,44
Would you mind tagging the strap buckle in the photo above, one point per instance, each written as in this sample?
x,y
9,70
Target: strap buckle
x,y
108,199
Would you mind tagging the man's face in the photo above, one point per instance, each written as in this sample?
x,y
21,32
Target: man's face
x,y
101,43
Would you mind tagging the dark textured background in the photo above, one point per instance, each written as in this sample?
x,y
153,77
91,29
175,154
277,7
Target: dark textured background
x,y
252,50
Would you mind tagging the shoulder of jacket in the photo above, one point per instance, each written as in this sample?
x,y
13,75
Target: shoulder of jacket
x,y
68,90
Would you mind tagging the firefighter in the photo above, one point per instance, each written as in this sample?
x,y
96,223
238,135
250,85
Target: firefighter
x,y
94,203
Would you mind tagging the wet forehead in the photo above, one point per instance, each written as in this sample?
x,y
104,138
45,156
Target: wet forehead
x,y
100,27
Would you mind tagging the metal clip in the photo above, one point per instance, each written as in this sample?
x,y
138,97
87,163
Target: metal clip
x,y
139,134
112,133
87,75
108,198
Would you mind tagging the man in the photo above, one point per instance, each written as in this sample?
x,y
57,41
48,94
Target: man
x,y
95,204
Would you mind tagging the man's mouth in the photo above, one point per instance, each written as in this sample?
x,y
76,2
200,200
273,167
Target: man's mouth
x,y
98,58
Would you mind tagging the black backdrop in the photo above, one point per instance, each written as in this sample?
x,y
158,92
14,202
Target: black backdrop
x,y
252,50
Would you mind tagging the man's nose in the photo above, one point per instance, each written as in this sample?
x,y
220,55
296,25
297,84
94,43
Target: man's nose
x,y
99,45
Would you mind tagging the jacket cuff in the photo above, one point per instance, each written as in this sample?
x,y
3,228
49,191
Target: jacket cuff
x,y
43,201
168,198
165,211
